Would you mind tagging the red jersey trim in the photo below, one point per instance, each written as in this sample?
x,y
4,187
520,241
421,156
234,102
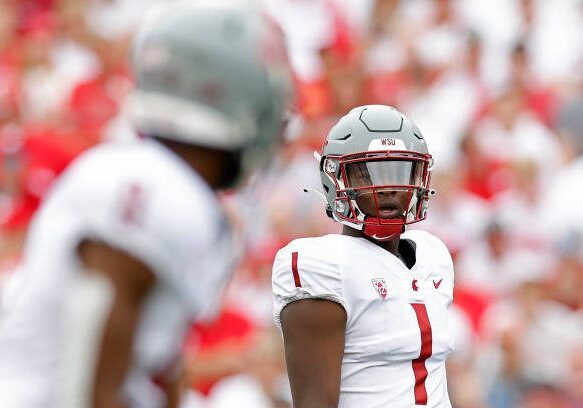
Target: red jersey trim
x,y
295,272
419,369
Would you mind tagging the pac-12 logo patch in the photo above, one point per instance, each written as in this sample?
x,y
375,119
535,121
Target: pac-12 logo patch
x,y
381,287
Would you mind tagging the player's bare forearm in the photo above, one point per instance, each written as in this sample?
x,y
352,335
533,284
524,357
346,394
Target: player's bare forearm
x,y
107,401
131,281
314,345
173,391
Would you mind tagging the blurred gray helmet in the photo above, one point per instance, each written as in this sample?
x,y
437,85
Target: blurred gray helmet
x,y
376,150
212,73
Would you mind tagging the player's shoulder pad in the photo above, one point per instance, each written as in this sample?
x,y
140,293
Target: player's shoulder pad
x,y
307,268
113,175
140,198
323,248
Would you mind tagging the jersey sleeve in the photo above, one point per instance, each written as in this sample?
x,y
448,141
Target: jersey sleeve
x,y
147,208
305,270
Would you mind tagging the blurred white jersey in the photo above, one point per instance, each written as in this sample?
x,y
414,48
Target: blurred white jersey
x,y
139,198
397,336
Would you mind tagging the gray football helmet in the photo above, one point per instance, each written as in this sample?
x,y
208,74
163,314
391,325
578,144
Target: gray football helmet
x,y
375,150
212,73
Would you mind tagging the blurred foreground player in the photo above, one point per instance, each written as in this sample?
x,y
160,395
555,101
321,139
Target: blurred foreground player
x,y
364,314
131,244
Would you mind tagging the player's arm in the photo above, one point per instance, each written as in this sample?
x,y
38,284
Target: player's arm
x,y
313,332
173,390
311,309
131,282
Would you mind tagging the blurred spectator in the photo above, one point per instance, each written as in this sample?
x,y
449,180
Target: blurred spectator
x,y
94,102
31,161
9,63
559,203
499,23
569,121
232,363
539,99
519,206
497,265
484,175
574,378
567,280
466,389
512,133
262,384
457,216
542,396
530,340
218,349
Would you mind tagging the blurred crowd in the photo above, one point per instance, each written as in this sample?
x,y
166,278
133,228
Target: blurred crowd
x,y
496,86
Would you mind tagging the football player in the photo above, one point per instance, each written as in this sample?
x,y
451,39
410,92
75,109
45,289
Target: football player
x,y
364,314
132,244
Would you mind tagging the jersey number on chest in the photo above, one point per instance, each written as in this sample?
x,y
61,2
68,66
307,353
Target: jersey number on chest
x,y
419,369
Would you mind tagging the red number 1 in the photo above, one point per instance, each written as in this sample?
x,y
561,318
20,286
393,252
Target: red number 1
x,y
419,369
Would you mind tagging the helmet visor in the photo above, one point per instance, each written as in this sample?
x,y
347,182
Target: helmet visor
x,y
385,173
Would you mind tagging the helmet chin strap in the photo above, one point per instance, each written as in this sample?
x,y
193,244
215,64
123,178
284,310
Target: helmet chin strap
x,y
383,232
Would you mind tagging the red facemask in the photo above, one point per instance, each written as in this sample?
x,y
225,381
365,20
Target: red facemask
x,y
373,172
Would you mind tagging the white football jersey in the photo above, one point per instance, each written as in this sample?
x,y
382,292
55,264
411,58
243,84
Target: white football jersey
x,y
138,197
397,337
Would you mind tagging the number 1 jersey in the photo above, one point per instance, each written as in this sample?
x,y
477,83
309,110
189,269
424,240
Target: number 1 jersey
x,y
397,336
